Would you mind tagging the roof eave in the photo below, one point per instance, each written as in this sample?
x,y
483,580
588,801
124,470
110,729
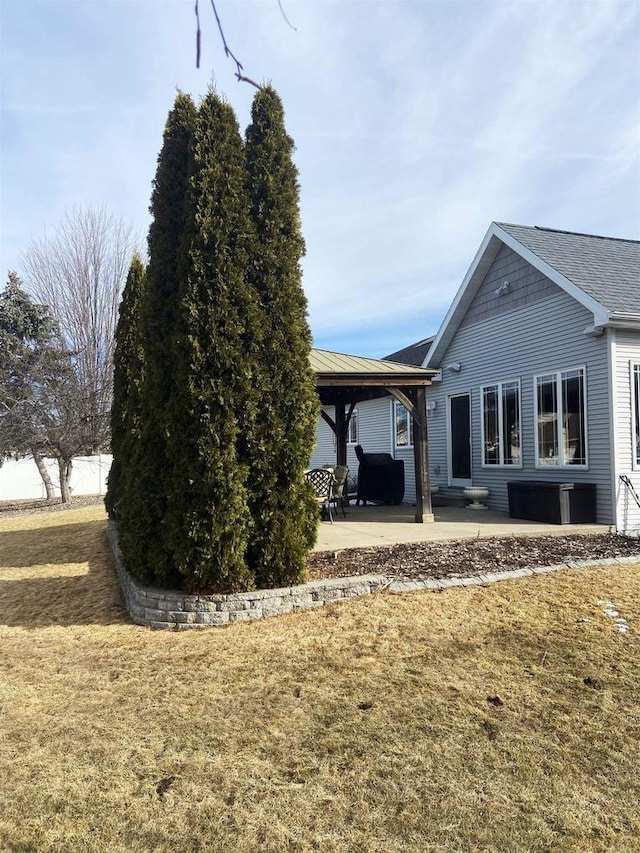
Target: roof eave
x,y
387,380
623,320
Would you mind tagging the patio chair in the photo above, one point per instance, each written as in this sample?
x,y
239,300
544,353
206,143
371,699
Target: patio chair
x,y
339,488
322,481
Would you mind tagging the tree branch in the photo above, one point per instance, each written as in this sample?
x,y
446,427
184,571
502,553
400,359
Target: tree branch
x,y
227,50
197,11
285,17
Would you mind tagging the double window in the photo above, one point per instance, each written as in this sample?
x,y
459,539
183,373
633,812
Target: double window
x,y
561,418
501,424
403,426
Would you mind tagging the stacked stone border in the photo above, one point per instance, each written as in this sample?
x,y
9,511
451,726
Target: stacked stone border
x,y
160,608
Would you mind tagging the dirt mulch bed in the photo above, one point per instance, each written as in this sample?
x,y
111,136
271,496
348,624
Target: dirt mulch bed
x,y
421,560
11,509
465,558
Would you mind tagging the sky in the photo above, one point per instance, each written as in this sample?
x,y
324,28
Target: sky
x,y
416,125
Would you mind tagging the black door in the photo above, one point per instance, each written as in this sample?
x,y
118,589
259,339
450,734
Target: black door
x,y
460,410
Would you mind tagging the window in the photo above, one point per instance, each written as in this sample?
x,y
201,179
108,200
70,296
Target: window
x,y
403,425
635,397
501,424
560,418
352,433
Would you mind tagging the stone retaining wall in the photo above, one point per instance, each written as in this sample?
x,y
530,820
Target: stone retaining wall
x,y
160,608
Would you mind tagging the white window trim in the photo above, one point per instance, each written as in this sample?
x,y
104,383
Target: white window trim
x,y
409,444
451,480
499,386
561,466
635,463
354,415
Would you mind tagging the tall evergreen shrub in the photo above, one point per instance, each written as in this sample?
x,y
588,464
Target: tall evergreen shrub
x,y
142,519
128,373
208,521
283,432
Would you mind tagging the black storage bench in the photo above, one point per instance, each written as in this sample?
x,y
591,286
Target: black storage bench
x,y
380,478
553,503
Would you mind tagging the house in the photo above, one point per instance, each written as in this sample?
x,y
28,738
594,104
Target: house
x,y
540,363
539,359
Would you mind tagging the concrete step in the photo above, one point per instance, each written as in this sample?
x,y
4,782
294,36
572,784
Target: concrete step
x,y
449,497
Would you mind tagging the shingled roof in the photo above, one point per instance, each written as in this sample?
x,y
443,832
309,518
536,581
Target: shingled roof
x,y
606,268
413,354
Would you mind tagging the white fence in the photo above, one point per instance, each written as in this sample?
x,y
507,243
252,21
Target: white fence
x,y
21,480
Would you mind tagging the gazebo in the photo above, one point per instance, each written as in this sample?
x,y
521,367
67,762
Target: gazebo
x,y
344,380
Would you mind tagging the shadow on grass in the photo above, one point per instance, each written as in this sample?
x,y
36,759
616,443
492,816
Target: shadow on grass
x,y
62,544
63,576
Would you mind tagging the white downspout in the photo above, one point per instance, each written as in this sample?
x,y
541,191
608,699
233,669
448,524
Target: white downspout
x,y
614,442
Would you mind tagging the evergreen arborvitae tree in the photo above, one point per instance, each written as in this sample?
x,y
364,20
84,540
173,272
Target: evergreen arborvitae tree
x,y
283,433
42,407
143,501
208,520
128,373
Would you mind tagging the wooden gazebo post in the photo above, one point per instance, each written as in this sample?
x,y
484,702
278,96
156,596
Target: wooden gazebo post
x,y
415,401
341,434
424,511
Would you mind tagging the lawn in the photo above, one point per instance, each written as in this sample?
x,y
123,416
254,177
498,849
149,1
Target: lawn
x,y
499,718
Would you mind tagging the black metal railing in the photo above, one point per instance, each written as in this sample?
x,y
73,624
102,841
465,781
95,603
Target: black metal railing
x,y
627,482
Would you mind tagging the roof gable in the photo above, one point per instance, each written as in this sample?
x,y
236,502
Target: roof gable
x,y
601,273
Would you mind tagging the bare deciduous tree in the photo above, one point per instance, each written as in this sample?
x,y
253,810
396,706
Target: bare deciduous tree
x,y
79,273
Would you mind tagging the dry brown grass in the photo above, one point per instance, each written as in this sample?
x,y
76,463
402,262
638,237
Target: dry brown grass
x,y
366,726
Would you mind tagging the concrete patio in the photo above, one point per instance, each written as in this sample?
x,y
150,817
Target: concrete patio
x,y
389,525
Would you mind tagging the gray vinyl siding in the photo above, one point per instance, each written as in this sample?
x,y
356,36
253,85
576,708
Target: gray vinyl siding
x,y
437,436
406,454
527,286
325,449
374,425
542,336
625,353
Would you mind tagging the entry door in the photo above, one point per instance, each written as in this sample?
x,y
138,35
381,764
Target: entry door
x,y
460,440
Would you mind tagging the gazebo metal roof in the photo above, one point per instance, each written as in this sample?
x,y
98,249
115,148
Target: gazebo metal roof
x,y
343,378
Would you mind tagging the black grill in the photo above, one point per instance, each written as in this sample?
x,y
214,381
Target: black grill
x,y
380,478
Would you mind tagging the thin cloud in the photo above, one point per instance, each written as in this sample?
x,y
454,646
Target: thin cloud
x,y
416,124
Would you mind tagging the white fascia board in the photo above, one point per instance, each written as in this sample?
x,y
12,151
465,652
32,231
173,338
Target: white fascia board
x,y
625,321
601,315
460,303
